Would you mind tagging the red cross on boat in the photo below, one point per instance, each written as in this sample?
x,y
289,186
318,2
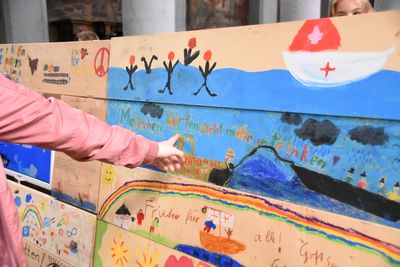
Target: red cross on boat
x,y
327,69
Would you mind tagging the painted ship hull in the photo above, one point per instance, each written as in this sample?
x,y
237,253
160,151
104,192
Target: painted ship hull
x,y
349,194
323,184
220,244
345,67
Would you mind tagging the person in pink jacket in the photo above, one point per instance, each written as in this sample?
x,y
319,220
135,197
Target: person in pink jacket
x,y
26,117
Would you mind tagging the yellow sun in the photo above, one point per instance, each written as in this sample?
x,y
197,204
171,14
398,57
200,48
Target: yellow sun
x,y
108,175
145,259
119,251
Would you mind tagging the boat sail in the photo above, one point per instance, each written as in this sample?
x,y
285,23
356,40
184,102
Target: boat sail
x,y
218,243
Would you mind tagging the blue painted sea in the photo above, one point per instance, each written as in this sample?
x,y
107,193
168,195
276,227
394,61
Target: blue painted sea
x,y
208,256
377,96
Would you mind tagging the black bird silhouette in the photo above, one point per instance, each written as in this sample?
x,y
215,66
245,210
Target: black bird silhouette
x,y
33,64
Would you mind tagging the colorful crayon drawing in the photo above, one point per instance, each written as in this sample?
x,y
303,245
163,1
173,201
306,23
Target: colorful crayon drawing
x,y
63,232
117,247
305,113
201,214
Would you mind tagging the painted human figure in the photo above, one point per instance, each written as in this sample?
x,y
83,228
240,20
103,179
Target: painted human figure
x,y
147,65
130,72
381,189
154,224
349,178
229,156
170,69
187,53
362,181
395,193
73,246
229,232
207,71
208,225
140,217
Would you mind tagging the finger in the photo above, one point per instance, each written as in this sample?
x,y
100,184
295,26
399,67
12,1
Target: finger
x,y
168,166
160,165
175,159
171,167
166,161
178,166
179,154
173,139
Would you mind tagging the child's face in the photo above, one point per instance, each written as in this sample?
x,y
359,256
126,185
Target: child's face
x,y
349,8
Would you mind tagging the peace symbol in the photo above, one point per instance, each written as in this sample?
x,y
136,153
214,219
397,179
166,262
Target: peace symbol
x,y
101,62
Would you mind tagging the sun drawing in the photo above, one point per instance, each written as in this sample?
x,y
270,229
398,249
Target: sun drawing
x,y
145,259
108,176
119,251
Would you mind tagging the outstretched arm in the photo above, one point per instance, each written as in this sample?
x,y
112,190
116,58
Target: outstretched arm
x,y
29,118
212,67
175,64
165,65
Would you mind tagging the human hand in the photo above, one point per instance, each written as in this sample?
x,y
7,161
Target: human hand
x,y
169,158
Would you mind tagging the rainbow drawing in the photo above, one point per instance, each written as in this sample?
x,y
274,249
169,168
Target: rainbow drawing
x,y
242,201
35,211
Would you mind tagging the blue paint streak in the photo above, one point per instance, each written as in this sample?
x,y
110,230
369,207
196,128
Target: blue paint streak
x,y
208,256
377,96
23,158
89,206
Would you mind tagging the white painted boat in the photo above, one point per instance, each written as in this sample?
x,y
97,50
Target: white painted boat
x,y
329,69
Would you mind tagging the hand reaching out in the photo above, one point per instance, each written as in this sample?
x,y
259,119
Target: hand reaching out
x,y
169,158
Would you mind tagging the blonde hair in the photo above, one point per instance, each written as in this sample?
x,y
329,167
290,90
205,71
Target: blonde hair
x,y
86,36
366,7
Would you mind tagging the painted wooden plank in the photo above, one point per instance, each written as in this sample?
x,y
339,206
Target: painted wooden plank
x,y
338,66
37,257
118,247
57,228
72,68
77,182
339,164
226,227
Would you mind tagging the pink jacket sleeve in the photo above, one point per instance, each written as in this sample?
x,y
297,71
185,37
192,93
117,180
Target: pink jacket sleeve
x,y
26,117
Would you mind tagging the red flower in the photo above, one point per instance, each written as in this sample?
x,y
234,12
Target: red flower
x,y
207,55
171,55
132,59
192,43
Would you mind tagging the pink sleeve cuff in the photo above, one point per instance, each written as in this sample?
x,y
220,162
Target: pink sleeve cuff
x,y
152,153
